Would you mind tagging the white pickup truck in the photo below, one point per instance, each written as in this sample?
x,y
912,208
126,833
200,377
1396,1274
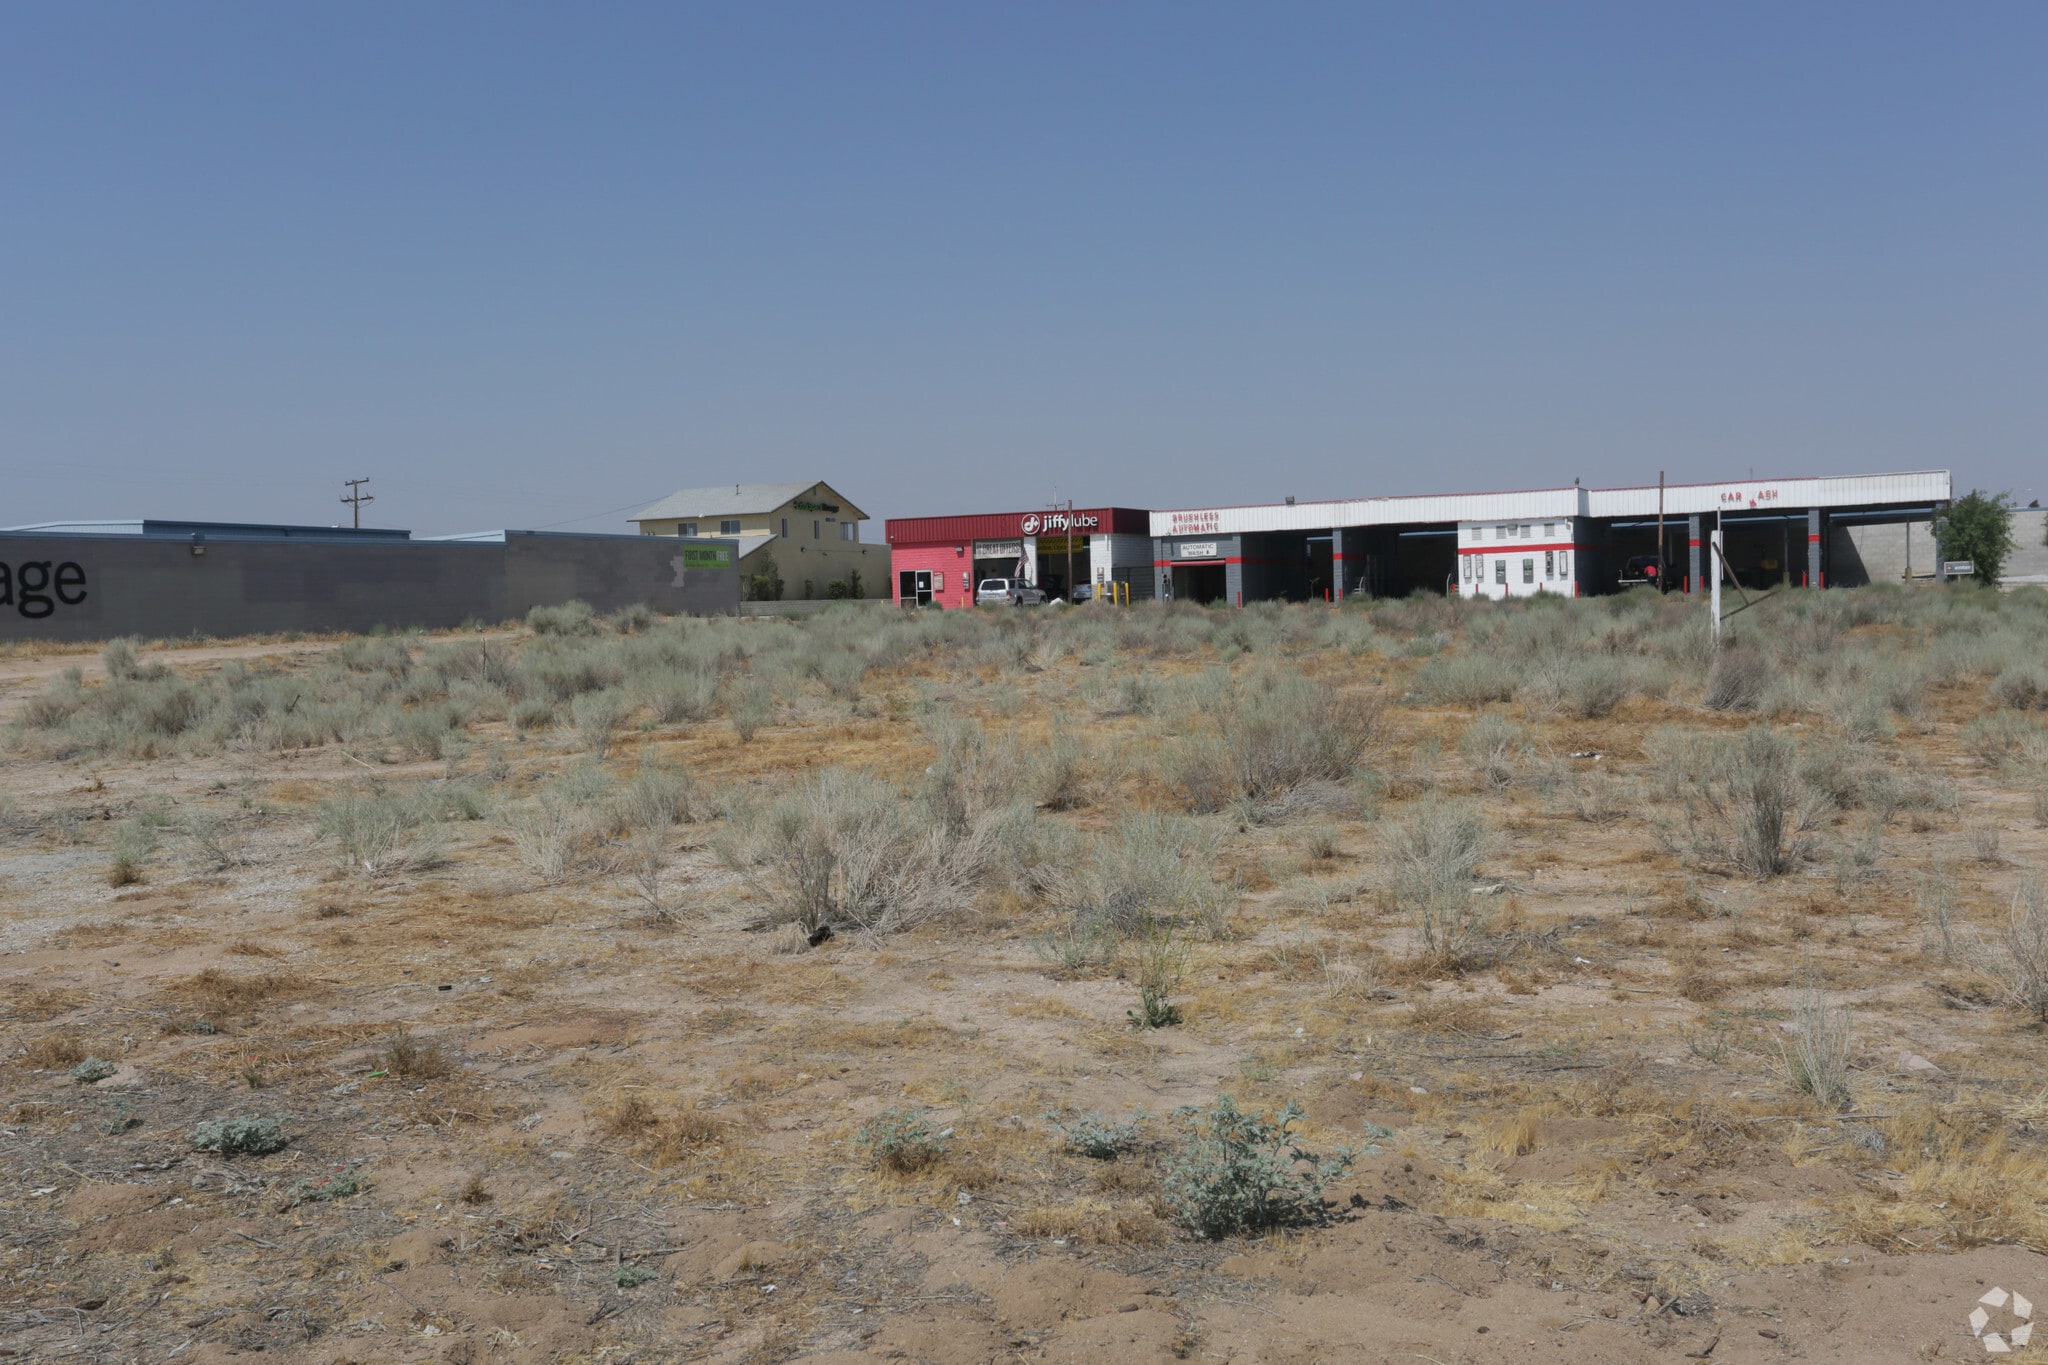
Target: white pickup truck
x,y
1008,591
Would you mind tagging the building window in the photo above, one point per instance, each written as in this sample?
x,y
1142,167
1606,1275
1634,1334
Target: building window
x,y
1549,564
1549,529
728,528
1526,528
785,528
1500,533
686,528
1529,571
849,530
815,526
1500,572
1564,563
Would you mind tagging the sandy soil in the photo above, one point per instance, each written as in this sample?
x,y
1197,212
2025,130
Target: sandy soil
x,y
504,1094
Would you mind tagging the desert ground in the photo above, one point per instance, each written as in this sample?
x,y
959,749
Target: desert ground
x,y
1393,982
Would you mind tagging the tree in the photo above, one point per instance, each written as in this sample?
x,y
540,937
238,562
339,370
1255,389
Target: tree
x,y
765,586
1978,528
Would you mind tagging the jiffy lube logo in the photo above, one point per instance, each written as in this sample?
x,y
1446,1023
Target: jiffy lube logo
x,y
2011,1315
1059,521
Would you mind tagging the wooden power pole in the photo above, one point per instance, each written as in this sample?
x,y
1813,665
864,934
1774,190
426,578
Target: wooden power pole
x,y
356,497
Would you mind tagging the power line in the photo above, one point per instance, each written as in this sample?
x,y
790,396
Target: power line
x,y
609,511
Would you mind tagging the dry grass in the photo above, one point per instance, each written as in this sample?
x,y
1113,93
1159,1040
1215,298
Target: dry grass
x,y
1091,1222
1520,1135
54,1052
217,991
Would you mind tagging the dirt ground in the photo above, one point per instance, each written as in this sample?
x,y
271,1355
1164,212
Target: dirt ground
x,y
510,1087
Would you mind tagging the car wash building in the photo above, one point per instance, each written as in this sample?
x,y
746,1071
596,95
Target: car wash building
x,y
1573,541
937,561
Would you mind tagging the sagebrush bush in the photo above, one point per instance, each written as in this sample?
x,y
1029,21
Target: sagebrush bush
x,y
598,716
570,618
1497,747
1466,679
133,842
374,832
1737,680
1153,872
1434,852
1817,1059
2023,688
847,851
2024,972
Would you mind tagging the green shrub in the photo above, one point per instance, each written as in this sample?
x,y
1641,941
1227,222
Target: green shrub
x,y
311,1191
1243,1172
90,1070
1094,1135
241,1136
902,1140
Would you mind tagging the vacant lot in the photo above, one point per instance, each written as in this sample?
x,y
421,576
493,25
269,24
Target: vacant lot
x,y
937,987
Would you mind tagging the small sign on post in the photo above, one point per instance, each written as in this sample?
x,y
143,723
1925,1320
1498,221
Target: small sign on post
x,y
1959,568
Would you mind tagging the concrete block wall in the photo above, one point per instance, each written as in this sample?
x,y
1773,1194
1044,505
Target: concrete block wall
x,y
1879,553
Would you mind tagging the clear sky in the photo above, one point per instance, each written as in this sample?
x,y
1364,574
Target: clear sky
x,y
530,264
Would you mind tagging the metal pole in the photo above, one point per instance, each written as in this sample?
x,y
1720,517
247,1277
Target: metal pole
x,y
1663,560
1714,593
1070,551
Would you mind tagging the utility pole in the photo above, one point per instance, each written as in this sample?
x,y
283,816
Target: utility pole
x,y
1069,587
1054,506
1663,561
356,497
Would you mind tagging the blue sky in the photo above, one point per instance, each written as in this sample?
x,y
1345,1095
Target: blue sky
x,y
526,264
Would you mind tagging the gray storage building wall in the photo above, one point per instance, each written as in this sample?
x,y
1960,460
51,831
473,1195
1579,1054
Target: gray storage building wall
x,y
99,587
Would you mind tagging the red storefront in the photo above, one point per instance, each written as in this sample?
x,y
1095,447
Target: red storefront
x,y
936,561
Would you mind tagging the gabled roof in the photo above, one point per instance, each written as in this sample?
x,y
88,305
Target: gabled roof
x,y
736,500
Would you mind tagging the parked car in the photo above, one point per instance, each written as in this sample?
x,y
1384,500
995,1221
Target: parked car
x,y
1646,571
1084,592
1013,591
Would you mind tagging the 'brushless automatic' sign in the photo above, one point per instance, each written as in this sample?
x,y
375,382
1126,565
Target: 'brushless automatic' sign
x,y
38,587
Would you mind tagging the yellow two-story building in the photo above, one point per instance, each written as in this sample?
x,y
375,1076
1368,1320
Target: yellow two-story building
x,y
797,540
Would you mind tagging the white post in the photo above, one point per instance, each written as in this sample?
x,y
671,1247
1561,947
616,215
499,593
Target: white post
x,y
1714,594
